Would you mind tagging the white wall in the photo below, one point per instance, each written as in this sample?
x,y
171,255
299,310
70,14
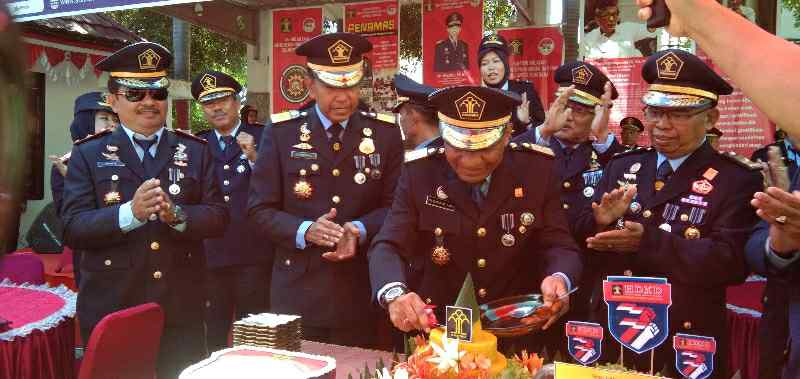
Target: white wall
x,y
59,102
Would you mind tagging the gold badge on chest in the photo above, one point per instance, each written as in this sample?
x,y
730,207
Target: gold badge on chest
x,y
367,145
113,196
439,254
302,188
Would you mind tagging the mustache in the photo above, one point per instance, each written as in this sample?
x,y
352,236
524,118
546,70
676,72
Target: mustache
x,y
219,113
148,109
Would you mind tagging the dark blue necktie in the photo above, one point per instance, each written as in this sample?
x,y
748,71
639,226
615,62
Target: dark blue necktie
x,y
663,173
228,141
148,162
336,143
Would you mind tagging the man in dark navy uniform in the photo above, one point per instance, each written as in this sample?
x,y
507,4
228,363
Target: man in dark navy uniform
x,y
679,210
452,54
415,115
138,201
320,190
576,129
630,130
472,207
239,263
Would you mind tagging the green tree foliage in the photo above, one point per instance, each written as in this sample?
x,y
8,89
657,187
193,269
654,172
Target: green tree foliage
x,y
208,50
794,7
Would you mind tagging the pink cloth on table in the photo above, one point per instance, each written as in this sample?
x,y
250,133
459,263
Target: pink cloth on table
x,y
23,306
22,267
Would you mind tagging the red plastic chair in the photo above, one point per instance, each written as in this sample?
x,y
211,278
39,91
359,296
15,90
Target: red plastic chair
x,y
124,344
22,267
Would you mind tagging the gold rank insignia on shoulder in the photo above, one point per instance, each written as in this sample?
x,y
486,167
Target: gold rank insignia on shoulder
x,y
539,149
286,116
387,118
93,136
742,161
413,155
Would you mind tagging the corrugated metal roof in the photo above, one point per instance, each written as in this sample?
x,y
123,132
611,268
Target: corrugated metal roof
x,y
93,27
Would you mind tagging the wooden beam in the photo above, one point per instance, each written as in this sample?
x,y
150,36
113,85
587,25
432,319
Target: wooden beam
x,y
231,20
523,11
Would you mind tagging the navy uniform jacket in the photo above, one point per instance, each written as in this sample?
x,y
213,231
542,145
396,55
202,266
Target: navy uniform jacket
x,y
430,195
57,187
327,294
780,322
698,269
449,57
240,245
154,262
535,108
576,174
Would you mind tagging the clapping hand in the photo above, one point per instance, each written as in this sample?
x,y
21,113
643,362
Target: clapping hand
x,y
602,111
557,114
325,232
781,210
613,205
347,246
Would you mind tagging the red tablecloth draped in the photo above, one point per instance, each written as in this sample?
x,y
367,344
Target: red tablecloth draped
x,y
743,318
41,341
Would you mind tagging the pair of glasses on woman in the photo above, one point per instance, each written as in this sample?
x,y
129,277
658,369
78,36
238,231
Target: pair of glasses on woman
x,y
135,95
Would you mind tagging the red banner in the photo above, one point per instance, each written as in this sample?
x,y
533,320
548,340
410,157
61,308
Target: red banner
x,y
745,128
535,55
290,28
449,55
379,22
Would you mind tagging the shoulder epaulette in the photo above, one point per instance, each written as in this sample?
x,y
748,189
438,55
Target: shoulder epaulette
x,y
417,154
527,146
741,160
387,118
183,133
286,116
635,150
93,136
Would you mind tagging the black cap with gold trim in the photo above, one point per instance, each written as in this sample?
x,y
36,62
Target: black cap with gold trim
x,y
336,58
631,123
679,79
141,65
473,118
210,85
92,101
493,41
454,18
410,92
588,80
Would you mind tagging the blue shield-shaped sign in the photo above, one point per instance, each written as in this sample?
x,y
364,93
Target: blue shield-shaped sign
x,y
638,311
694,355
584,341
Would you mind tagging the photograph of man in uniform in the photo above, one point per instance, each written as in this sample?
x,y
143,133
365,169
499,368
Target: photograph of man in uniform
x,y
452,54
606,35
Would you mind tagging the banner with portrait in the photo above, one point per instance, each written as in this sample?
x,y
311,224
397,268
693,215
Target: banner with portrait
x,y
451,34
535,54
290,28
379,22
745,128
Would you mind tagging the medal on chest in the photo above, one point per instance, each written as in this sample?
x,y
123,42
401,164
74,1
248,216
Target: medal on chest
x,y
302,188
507,223
113,196
439,254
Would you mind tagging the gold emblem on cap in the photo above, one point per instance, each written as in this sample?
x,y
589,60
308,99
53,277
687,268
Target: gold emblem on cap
x,y
470,107
581,75
669,66
148,60
340,52
208,82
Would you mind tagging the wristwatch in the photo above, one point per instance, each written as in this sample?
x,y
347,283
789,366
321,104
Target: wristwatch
x,y
178,216
392,294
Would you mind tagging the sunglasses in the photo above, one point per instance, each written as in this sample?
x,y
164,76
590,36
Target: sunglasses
x,y
135,95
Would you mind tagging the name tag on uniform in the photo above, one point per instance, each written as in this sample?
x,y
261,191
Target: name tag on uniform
x,y
438,203
110,164
303,155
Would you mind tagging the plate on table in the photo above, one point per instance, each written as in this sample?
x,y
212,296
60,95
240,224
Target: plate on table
x,y
515,316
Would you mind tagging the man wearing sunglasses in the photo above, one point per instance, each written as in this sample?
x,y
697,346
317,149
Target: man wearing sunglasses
x,y
139,201
576,129
239,262
678,210
320,190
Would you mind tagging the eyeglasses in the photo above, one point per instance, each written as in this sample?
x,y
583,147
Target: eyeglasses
x,y
580,110
136,95
652,114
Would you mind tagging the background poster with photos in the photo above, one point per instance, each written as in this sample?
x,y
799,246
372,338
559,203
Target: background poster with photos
x,y
290,28
379,22
611,29
449,54
535,54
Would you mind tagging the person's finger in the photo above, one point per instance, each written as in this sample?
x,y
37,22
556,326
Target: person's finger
x,y
331,256
782,203
634,226
790,199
